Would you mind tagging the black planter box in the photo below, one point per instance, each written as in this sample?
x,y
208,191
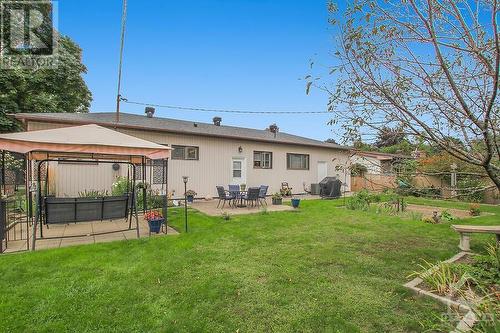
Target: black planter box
x,y
277,201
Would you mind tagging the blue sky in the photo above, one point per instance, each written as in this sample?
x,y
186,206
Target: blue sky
x,y
238,54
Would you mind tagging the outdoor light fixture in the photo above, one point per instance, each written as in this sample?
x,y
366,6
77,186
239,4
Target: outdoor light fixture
x,y
240,149
185,180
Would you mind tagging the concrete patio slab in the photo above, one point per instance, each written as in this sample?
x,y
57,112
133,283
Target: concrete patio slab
x,y
48,243
85,233
209,207
109,237
72,229
77,241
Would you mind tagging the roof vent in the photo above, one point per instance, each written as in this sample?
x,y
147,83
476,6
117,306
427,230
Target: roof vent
x,y
273,128
195,124
149,111
217,120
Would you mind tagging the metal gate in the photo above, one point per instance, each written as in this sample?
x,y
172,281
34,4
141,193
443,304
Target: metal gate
x,y
14,224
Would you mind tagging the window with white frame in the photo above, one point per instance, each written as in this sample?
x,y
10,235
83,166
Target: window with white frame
x,y
297,161
185,152
237,169
262,160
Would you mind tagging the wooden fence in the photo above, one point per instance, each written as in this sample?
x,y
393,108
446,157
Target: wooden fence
x,y
378,183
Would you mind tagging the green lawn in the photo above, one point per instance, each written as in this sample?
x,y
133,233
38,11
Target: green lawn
x,y
321,268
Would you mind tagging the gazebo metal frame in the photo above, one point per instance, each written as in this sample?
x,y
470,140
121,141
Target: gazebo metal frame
x,y
83,149
132,211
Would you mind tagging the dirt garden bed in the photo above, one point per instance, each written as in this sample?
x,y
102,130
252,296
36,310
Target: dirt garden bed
x,y
428,211
471,299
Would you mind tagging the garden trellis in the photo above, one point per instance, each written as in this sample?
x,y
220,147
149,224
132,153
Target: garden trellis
x,y
80,144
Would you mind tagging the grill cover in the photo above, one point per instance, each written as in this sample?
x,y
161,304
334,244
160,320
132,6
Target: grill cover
x,y
330,187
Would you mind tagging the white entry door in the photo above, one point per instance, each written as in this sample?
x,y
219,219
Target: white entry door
x,y
322,170
238,171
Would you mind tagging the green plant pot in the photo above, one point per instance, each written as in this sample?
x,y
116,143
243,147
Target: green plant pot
x,y
277,201
155,225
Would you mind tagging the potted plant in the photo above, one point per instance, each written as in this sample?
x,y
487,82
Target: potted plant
x,y
277,198
243,187
155,220
190,194
295,202
286,192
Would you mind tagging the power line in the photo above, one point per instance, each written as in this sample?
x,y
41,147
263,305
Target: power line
x,y
188,108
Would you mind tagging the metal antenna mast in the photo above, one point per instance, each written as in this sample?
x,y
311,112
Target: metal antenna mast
x,y
118,95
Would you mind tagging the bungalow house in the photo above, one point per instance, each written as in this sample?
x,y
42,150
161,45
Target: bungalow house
x,y
377,163
210,154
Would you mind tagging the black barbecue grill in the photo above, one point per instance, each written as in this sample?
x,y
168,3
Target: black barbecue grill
x,y
330,187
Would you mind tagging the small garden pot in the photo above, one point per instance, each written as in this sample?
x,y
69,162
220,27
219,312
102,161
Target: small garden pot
x,y
190,198
155,225
277,201
295,203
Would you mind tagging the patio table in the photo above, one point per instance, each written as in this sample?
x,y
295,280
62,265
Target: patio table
x,y
239,196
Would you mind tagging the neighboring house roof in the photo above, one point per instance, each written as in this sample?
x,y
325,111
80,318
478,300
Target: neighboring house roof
x,y
134,121
381,156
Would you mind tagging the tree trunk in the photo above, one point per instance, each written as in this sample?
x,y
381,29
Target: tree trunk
x,y
493,174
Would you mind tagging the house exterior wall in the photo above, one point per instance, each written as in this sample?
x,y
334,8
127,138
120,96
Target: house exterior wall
x,y
214,166
372,164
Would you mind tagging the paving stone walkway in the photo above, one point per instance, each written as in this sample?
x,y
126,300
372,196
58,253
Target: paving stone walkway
x,y
85,233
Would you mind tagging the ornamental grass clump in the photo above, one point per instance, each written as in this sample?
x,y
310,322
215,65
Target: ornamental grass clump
x,y
474,281
92,194
443,278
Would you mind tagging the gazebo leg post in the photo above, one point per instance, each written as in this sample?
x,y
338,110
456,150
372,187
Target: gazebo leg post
x,y
137,225
130,221
39,195
33,237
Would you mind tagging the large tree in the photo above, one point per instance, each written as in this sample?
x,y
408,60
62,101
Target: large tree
x,y
389,137
430,67
61,89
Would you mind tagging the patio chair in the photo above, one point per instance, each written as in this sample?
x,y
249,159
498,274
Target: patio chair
x,y
235,190
252,196
224,196
263,193
286,190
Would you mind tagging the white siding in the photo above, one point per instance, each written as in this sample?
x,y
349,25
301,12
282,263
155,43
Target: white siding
x,y
372,164
70,179
213,167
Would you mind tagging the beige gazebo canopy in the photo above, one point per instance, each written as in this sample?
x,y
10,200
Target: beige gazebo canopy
x,y
79,144
86,140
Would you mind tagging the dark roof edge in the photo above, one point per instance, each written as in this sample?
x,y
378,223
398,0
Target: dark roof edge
x,y
376,153
40,117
